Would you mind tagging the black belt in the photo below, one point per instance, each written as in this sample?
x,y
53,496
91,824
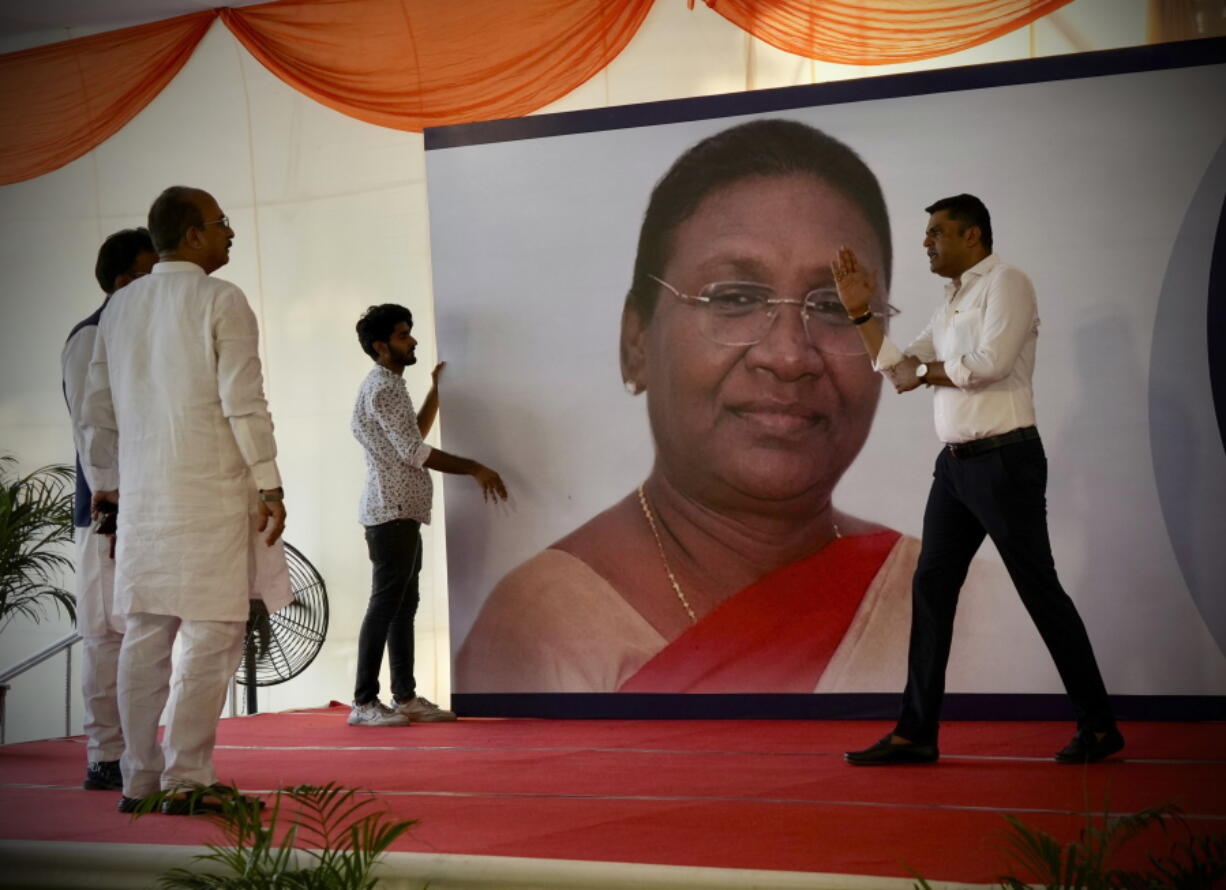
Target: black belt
x,y
979,446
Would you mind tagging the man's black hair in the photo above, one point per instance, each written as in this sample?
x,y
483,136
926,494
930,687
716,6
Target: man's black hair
x,y
768,147
378,323
968,211
118,253
172,214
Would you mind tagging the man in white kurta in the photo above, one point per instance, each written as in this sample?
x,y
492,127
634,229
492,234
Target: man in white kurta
x,y
176,420
123,257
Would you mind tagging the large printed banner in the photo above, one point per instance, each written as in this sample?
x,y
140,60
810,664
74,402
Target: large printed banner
x,y
697,509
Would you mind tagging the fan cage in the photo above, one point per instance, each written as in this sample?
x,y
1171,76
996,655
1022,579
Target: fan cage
x,y
297,630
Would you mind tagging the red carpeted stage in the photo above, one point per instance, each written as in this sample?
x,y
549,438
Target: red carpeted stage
x,y
769,796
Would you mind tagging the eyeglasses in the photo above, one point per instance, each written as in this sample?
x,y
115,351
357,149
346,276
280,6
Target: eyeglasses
x,y
224,221
741,313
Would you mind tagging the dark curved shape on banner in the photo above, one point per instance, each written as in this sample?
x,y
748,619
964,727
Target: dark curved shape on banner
x,y
1187,398
1216,326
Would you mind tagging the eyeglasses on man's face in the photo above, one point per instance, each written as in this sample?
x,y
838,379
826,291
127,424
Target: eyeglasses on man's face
x,y
741,313
223,221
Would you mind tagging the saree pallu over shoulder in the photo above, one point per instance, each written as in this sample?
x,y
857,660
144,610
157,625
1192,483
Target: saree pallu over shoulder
x,y
780,633
554,625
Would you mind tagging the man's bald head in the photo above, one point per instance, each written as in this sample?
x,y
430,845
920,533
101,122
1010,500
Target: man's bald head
x,y
187,224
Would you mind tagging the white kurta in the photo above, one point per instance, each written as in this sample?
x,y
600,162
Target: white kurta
x,y
174,415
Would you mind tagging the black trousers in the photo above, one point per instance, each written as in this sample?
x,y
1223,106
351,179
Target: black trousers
x,y
395,556
1002,494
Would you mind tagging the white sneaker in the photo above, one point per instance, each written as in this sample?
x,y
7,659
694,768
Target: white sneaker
x,y
422,710
376,713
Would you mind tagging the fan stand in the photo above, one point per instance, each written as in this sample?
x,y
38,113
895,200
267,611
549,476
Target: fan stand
x,y
249,668
252,706
292,637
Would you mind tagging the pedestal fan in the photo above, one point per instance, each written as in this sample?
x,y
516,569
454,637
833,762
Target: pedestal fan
x,y
281,645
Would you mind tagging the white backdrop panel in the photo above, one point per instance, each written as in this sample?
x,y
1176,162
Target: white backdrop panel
x,y
1088,181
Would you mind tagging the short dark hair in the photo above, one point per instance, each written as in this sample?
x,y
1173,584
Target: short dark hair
x,y
377,324
172,214
969,211
769,147
118,253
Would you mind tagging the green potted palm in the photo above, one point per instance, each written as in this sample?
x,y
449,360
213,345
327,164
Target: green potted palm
x,y
35,527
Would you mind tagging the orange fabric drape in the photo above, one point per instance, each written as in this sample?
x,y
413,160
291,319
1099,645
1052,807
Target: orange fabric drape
x,y
405,64
59,101
880,32
410,64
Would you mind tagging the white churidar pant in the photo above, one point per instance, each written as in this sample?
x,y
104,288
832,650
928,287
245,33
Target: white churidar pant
x,y
208,656
101,636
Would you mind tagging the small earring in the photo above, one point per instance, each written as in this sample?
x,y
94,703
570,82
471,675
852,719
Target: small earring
x,y
632,387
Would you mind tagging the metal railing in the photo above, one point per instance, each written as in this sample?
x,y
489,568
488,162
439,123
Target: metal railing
x,y
65,645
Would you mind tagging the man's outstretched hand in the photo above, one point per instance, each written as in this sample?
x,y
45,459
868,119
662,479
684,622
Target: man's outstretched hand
x,y
492,487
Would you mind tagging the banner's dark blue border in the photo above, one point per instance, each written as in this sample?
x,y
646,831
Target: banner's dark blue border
x,y
824,706
1161,56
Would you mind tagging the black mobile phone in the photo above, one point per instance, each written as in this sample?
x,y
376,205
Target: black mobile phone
x,y
106,522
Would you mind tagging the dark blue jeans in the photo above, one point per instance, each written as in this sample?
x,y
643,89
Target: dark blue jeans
x,y
395,556
1002,494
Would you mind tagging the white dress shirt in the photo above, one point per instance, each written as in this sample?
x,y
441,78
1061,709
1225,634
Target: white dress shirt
x,y
174,415
397,484
984,335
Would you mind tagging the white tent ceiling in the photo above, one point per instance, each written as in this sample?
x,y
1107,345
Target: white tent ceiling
x,y
24,23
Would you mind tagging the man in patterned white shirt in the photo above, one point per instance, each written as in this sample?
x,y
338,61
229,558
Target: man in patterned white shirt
x,y
395,503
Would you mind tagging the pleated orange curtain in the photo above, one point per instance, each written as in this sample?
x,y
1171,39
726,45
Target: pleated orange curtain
x,y
410,64
59,101
879,32
405,64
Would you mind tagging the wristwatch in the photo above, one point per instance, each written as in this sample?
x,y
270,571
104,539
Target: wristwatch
x,y
921,371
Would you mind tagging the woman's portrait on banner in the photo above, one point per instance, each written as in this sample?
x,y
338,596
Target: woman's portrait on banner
x,y
730,568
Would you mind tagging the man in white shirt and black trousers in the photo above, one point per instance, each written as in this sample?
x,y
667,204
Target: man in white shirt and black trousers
x,y
978,354
395,503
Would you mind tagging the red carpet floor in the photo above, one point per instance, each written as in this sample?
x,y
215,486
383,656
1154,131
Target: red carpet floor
x,y
730,794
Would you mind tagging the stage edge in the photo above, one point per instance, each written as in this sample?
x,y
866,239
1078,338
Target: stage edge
x,y
52,865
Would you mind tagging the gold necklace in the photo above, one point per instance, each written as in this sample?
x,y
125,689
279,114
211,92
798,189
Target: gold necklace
x,y
651,521
672,579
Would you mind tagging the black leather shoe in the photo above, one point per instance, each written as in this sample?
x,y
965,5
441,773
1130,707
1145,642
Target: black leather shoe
x,y
128,804
103,776
1086,747
885,753
210,799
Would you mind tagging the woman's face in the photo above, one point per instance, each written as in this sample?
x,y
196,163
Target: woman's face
x,y
778,420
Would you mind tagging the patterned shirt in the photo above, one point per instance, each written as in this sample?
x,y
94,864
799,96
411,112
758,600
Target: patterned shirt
x,y
384,422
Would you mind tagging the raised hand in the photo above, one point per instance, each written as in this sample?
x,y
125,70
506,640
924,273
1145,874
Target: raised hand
x,y
856,285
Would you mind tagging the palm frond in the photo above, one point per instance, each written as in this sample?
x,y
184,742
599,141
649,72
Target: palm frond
x,y
1196,863
35,527
347,827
